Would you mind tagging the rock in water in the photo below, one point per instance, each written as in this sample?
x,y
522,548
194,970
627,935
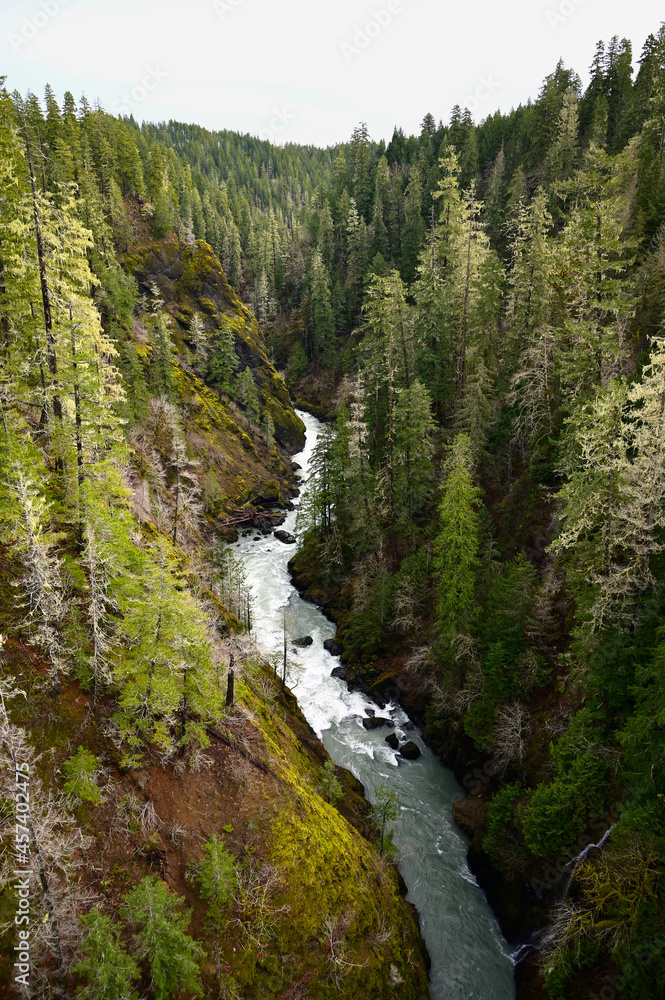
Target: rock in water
x,y
377,723
410,751
341,673
286,537
392,741
304,642
332,647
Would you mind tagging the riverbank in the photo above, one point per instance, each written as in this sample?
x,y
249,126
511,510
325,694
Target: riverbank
x,y
469,957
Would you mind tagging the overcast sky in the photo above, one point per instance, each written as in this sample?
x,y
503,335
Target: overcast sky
x,y
302,70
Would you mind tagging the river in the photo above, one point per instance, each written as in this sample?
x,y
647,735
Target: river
x,y
470,959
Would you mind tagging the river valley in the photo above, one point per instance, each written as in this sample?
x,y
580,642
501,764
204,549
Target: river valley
x,y
470,958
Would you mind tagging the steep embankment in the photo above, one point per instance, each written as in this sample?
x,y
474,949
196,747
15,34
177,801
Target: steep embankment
x,y
238,463
318,908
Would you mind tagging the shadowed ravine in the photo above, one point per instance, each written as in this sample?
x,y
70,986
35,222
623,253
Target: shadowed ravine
x,y
470,959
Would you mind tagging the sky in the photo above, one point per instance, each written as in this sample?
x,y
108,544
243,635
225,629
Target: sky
x,y
304,71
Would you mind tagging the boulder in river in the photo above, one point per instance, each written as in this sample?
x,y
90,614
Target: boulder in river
x,y
332,647
304,642
341,673
392,741
377,723
286,537
410,751
409,726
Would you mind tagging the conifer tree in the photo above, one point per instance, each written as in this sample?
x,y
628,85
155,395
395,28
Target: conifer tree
x,y
323,321
160,939
457,543
51,847
414,428
200,340
223,360
161,360
592,532
415,230
215,880
26,524
111,973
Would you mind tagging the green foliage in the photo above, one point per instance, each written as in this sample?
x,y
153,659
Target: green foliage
x,y
81,772
556,813
329,784
223,361
109,970
215,879
502,830
160,940
385,810
456,547
296,365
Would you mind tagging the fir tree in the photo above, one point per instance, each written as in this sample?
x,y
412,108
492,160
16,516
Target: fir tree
x,y
457,544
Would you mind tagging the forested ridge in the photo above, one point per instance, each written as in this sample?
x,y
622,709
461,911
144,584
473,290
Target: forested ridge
x,y
170,824
478,310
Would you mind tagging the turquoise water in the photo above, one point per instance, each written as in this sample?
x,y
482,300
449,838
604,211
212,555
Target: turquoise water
x,y
470,959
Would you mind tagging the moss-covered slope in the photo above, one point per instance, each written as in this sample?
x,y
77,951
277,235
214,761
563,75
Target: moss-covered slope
x,y
191,279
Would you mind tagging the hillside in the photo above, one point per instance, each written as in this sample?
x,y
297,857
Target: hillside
x,y
477,311
184,832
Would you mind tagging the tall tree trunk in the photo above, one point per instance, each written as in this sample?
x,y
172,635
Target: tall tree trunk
x,y
43,280
79,425
230,684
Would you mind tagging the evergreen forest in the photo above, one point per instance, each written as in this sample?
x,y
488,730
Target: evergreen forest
x,y
477,312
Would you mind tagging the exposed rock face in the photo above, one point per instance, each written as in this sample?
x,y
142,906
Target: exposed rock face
x,y
410,751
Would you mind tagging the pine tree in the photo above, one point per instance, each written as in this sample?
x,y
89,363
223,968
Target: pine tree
x,y
200,341
415,230
51,848
534,388
323,321
380,239
595,292
160,939
215,880
561,157
592,531
223,360
414,428
110,971
26,523
161,360
247,394
357,258
457,543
